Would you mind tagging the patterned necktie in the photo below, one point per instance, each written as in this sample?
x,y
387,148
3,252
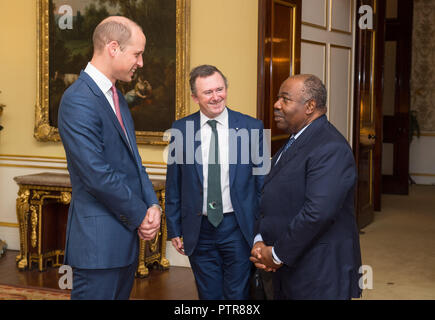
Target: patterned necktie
x,y
287,145
117,110
214,192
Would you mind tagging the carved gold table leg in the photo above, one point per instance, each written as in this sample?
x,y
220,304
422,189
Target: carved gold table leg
x,y
164,263
40,256
22,214
142,270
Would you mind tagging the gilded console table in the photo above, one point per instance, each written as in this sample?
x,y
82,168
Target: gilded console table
x,y
154,251
42,211
42,214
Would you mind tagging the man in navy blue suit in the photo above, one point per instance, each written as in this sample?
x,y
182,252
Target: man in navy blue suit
x,y
113,200
213,184
307,232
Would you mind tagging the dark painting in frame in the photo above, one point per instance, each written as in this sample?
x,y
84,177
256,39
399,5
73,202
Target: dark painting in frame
x,y
159,91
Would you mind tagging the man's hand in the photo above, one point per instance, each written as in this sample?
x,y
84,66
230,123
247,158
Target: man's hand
x,y
177,243
256,254
261,256
150,224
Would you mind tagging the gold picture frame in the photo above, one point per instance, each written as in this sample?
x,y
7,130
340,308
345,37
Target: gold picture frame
x,y
44,129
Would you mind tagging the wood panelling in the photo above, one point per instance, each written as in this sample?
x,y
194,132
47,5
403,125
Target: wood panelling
x,y
279,32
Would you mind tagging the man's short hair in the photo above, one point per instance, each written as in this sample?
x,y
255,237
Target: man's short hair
x,y
315,90
113,30
203,71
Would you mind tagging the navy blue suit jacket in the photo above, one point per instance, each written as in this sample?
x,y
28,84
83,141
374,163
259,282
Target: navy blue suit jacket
x,y
307,214
111,191
184,181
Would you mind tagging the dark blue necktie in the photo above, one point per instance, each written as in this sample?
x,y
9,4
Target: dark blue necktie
x,y
287,145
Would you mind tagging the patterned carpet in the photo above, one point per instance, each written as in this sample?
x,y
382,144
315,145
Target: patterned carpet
x,y
20,293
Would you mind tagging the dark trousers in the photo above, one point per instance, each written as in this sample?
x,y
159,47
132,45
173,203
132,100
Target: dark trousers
x,y
220,261
103,284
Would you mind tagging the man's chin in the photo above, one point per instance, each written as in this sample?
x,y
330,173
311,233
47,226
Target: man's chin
x,y
127,78
282,125
218,110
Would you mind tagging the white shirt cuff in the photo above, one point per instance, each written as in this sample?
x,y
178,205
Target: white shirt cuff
x,y
275,258
258,238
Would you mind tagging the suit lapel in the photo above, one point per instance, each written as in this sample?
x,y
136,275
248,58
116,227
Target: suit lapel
x,y
197,147
300,142
274,165
233,123
129,130
107,107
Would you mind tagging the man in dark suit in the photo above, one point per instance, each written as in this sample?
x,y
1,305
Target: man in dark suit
x,y
113,199
213,188
307,231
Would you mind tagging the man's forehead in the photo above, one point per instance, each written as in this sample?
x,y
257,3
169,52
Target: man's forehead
x,y
137,42
210,81
290,86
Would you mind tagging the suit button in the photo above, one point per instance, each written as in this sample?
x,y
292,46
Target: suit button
x,y
199,214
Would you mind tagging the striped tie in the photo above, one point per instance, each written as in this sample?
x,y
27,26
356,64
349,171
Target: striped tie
x,y
289,143
117,110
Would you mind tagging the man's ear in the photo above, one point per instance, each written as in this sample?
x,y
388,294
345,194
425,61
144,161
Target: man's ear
x,y
194,97
310,106
113,48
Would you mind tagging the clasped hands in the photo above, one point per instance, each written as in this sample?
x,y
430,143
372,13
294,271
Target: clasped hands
x,y
261,256
150,224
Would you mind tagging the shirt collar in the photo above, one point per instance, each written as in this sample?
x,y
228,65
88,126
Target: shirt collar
x,y
300,132
100,79
221,119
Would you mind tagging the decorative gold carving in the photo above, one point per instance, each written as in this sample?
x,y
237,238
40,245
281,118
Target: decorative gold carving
x,y
34,223
65,197
22,212
164,263
38,194
30,208
157,246
142,271
155,242
43,131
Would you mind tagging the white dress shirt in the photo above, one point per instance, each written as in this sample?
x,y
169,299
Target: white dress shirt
x,y
258,237
222,129
102,82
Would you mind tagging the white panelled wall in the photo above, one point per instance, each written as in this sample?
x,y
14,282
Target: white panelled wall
x,y
327,50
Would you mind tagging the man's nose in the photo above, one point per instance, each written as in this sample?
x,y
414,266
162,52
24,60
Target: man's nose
x,y
277,105
215,95
140,61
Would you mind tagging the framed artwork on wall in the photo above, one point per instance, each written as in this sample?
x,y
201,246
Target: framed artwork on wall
x,y
159,91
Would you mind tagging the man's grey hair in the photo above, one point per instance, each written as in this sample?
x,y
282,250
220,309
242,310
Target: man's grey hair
x,y
117,29
315,90
203,71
